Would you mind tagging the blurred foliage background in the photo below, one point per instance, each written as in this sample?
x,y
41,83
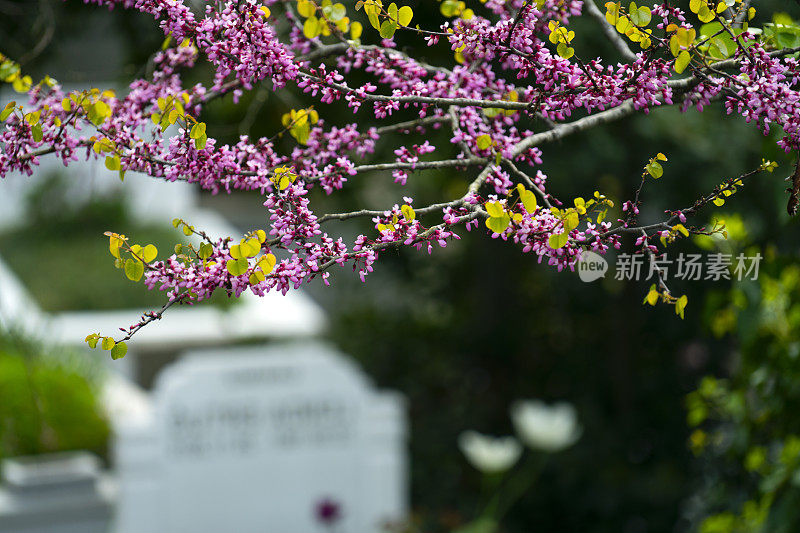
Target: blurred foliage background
x,y
49,400
688,425
58,226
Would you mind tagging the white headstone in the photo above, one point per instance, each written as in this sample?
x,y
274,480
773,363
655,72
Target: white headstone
x,y
260,440
18,309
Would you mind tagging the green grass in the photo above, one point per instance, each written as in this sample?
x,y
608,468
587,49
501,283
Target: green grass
x,y
49,399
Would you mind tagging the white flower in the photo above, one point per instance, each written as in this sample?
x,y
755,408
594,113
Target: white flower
x,y
489,454
546,428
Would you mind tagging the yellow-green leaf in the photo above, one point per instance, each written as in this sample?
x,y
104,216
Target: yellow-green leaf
x,y
392,11
306,8
652,296
612,12
356,29
557,240
37,133
705,14
640,16
119,350
267,263
108,343
198,130
114,242
404,15
528,198
498,224
565,51
256,276
682,61
311,27
101,111
113,162
149,253
571,220
250,247
373,20
134,269
7,110
205,251
449,8
92,339
237,267
680,305
494,208
388,27
655,169
337,12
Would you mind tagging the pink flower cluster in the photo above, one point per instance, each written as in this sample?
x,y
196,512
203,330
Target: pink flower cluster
x,y
509,85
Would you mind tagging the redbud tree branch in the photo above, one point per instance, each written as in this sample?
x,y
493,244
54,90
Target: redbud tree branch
x,y
513,71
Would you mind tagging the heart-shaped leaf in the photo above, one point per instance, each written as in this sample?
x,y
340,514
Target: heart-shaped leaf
x,y
682,61
494,208
388,27
498,224
557,240
119,350
267,263
149,253
528,198
236,267
134,269
404,15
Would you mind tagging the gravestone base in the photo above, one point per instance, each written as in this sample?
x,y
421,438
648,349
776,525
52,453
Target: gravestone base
x,y
55,493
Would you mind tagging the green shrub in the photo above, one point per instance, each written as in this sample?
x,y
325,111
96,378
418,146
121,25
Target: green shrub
x,y
49,402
